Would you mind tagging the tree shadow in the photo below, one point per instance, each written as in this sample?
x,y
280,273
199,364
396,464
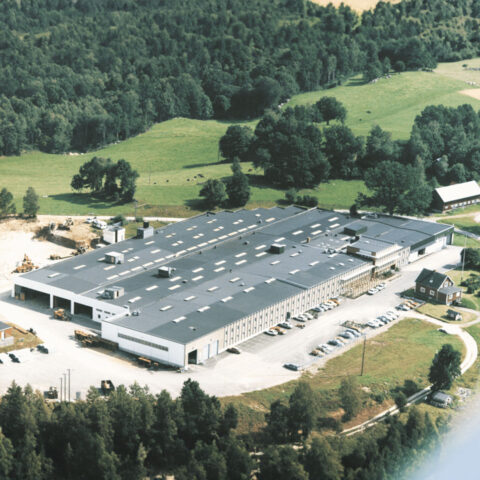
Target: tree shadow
x,y
196,204
205,164
356,82
87,200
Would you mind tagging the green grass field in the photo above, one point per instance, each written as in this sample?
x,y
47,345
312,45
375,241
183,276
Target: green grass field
x,y
172,155
395,102
404,352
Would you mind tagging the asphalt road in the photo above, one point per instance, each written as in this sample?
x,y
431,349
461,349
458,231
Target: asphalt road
x,y
259,366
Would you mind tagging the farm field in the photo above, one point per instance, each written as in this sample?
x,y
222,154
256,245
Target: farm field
x,y
357,5
176,156
404,352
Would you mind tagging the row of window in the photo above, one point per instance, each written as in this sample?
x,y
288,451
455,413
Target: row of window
x,y
143,342
276,313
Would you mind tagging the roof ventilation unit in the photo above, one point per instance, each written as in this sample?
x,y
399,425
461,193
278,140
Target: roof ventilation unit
x,y
111,293
277,248
165,272
146,231
114,257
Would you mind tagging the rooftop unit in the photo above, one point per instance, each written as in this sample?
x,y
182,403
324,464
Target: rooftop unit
x,y
114,257
165,272
146,231
114,234
114,292
277,248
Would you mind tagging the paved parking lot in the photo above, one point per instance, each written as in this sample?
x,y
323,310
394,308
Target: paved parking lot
x,y
259,366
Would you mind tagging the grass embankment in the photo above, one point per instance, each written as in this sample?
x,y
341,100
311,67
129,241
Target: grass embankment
x,y
464,222
131,227
404,352
469,300
176,156
22,339
440,312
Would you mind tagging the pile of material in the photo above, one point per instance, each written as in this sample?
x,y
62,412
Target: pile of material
x,y
26,265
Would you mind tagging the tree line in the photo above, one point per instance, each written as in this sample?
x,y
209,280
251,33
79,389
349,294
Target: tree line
x,y
75,75
132,434
30,203
299,148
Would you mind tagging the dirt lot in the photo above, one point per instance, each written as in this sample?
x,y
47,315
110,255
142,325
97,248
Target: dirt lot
x,y
472,92
17,238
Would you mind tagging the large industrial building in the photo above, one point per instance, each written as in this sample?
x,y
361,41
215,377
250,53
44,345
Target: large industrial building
x,y
183,293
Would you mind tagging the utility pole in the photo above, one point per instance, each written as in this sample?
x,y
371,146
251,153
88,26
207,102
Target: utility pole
x,y
68,370
61,388
65,386
363,353
463,258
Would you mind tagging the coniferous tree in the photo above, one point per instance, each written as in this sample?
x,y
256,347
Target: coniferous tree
x,y
30,203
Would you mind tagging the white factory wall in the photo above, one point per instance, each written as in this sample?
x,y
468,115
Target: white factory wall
x,y
436,246
175,354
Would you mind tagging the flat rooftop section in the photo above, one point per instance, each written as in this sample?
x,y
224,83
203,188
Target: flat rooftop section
x,y
222,266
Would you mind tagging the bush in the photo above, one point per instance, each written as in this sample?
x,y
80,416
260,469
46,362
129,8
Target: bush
x,y
329,423
119,219
400,401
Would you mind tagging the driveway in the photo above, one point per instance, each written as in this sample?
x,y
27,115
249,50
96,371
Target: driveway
x,y
259,366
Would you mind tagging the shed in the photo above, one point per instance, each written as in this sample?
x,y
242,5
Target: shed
x,y
5,330
454,315
441,399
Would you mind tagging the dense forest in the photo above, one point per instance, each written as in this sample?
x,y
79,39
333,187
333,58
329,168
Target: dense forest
x,y
132,434
75,75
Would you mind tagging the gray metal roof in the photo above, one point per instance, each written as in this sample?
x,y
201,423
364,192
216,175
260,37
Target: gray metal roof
x,y
4,326
221,255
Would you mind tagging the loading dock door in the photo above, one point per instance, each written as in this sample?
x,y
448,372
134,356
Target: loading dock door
x,y
206,352
192,357
214,349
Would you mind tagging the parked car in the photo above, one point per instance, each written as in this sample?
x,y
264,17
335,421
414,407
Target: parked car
x,y
325,348
372,324
316,353
392,313
308,316
300,325
318,309
286,325
300,318
354,332
292,366
273,333
372,291
380,287
235,350
279,330
336,342
346,335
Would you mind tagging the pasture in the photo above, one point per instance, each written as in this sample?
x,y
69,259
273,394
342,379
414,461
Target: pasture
x,y
175,157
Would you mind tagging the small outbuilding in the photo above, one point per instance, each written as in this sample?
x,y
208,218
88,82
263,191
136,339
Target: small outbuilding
x,y
5,330
454,315
437,286
456,196
441,400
